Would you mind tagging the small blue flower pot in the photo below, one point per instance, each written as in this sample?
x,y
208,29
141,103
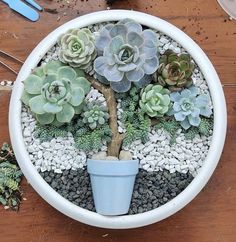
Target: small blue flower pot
x,y
112,184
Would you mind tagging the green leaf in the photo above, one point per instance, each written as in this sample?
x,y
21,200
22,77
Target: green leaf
x,y
135,39
66,114
79,108
83,83
170,82
79,72
45,118
90,119
185,57
116,44
33,84
77,96
50,78
52,67
52,108
3,201
101,120
26,97
66,72
173,57
37,104
39,72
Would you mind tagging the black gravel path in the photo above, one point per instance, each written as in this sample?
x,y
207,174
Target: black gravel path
x,y
152,189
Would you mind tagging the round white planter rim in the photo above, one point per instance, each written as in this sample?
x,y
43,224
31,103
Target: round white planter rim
x,y
127,221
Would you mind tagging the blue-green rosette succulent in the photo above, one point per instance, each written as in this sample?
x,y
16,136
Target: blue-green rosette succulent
x,y
128,55
95,115
189,105
55,93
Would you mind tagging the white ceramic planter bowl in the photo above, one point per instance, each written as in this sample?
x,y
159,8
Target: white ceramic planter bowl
x,y
127,221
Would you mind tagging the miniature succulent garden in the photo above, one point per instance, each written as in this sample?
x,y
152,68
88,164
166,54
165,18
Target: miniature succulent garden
x,y
117,91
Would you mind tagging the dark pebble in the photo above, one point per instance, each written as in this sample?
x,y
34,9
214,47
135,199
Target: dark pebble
x,y
151,189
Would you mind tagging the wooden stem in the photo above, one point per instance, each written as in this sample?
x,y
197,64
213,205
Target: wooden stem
x,y
117,138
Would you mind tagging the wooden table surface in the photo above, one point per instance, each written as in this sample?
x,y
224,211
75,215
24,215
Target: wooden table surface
x,y
211,216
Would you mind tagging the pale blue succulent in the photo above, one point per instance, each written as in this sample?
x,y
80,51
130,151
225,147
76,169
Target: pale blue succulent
x,y
128,55
188,105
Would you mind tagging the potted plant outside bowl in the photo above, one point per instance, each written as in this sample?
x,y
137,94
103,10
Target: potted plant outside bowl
x,y
198,182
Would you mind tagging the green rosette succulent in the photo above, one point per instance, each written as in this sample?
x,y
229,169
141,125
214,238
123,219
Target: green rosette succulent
x,y
175,71
155,100
95,115
55,93
77,48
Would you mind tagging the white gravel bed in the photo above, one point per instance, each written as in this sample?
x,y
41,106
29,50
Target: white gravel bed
x,y
95,95
183,156
60,153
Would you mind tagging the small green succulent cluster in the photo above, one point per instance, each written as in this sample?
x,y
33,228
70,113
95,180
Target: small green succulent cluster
x,y
205,128
77,48
169,125
55,93
129,100
137,129
95,115
175,71
87,139
10,178
155,100
47,132
137,123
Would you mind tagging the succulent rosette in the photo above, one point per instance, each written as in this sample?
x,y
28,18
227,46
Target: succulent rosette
x,y
175,71
189,105
155,100
95,115
55,93
77,48
127,55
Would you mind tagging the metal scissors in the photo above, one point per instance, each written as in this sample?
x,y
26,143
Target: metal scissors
x,y
24,9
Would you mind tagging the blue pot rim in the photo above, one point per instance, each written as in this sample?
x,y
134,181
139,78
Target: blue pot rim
x,y
112,167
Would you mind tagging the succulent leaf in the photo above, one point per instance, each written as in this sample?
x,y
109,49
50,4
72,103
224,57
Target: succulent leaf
x,y
66,72
66,114
36,104
45,118
33,84
51,67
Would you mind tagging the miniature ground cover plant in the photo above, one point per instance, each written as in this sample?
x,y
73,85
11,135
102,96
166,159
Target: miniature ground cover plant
x,y
117,90
10,178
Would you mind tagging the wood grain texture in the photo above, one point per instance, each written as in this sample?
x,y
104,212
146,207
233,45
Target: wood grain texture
x,y
211,216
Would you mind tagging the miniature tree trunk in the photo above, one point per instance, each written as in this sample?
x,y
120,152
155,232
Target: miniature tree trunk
x,y
117,138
